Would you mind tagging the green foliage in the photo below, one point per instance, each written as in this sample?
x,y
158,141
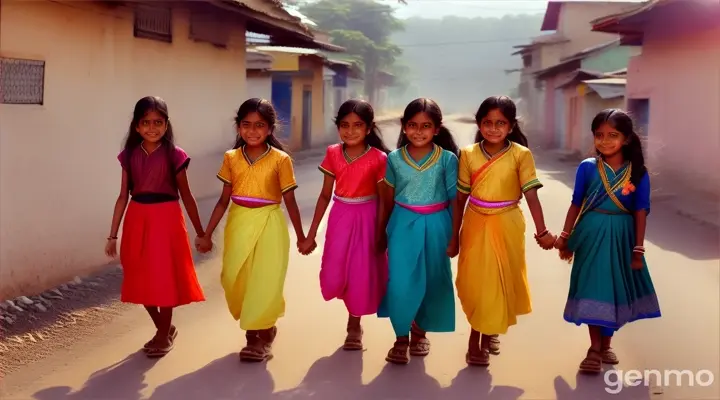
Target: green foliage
x,y
363,27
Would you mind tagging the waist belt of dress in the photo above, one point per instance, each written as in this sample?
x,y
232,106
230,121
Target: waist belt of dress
x,y
252,202
355,200
426,208
492,204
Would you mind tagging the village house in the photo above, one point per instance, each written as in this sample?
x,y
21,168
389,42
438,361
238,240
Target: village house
x,y
70,74
569,22
576,103
673,87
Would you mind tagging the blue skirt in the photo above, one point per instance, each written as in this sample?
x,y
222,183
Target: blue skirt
x,y
420,286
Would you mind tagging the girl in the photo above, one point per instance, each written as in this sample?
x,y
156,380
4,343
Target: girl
x,y
421,178
158,269
494,173
352,267
257,175
610,283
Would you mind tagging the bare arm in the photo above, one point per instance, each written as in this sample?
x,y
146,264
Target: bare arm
x,y
294,213
640,224
219,210
458,212
385,205
571,217
189,201
322,204
120,205
536,210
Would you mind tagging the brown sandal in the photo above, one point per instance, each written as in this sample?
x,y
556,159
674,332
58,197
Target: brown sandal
x,y
257,349
609,357
481,359
419,343
494,345
399,353
592,362
353,341
173,335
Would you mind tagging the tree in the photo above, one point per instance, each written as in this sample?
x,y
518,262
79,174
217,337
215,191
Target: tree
x,y
364,28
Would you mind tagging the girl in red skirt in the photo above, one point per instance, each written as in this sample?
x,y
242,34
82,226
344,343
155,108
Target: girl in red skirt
x,y
155,253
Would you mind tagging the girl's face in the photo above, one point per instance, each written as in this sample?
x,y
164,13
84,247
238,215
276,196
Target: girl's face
x,y
608,140
253,129
494,127
353,130
152,127
420,130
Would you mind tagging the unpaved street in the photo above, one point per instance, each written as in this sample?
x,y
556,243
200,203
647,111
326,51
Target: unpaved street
x,y
539,356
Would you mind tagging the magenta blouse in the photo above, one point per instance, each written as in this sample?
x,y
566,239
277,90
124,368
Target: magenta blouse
x,y
154,173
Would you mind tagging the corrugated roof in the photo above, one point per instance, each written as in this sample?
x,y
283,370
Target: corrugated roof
x,y
292,50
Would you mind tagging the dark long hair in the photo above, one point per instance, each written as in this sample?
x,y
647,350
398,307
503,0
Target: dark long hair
x,y
444,138
364,110
633,150
134,140
267,112
508,109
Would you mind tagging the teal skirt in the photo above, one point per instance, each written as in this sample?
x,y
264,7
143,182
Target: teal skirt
x,y
604,289
420,284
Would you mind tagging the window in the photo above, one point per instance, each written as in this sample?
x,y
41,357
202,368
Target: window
x,y
152,22
22,81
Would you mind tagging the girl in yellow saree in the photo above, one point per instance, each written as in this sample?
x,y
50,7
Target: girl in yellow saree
x,y
494,174
257,175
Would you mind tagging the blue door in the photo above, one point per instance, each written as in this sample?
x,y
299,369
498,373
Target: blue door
x,y
282,100
307,117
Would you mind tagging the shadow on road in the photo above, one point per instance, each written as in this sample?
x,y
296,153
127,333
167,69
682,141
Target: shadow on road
x,y
666,229
594,388
122,380
224,378
338,376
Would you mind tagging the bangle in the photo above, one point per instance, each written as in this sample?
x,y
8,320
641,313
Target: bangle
x,y
564,235
541,234
639,249
112,238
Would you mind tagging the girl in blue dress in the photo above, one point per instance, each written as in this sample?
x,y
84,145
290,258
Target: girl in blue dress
x,y
604,234
421,180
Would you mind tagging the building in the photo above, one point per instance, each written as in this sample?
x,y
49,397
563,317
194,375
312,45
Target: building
x,y
71,72
566,126
298,89
569,22
258,72
673,87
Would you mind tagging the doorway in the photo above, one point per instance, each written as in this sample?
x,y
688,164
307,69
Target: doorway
x,y
307,116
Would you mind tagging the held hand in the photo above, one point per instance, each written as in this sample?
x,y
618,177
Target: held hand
x,y
203,244
111,248
637,261
561,243
546,241
307,246
453,248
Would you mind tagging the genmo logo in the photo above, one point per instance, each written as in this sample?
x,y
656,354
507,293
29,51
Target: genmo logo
x,y
615,379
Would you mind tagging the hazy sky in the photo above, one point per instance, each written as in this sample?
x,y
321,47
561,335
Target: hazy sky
x,y
469,8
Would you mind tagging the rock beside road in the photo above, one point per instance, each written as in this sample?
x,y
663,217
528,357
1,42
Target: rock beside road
x,y
32,327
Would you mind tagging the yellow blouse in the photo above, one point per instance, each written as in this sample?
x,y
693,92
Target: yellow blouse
x,y
268,177
502,177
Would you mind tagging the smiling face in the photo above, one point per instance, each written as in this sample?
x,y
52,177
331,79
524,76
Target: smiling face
x,y
608,140
253,129
352,130
152,127
494,127
420,130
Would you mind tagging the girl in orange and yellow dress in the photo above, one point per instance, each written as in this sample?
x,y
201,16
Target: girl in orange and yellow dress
x,y
257,175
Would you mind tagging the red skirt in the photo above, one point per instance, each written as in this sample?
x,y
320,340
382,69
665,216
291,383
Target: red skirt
x,y
158,268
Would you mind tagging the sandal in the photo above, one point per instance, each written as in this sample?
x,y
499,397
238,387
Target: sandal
x,y
419,343
257,349
494,345
592,362
481,359
353,341
159,352
173,335
609,357
399,353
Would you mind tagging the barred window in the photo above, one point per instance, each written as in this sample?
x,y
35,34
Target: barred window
x,y
21,81
152,22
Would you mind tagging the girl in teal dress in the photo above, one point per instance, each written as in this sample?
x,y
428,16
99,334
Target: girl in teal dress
x,y
604,232
421,180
